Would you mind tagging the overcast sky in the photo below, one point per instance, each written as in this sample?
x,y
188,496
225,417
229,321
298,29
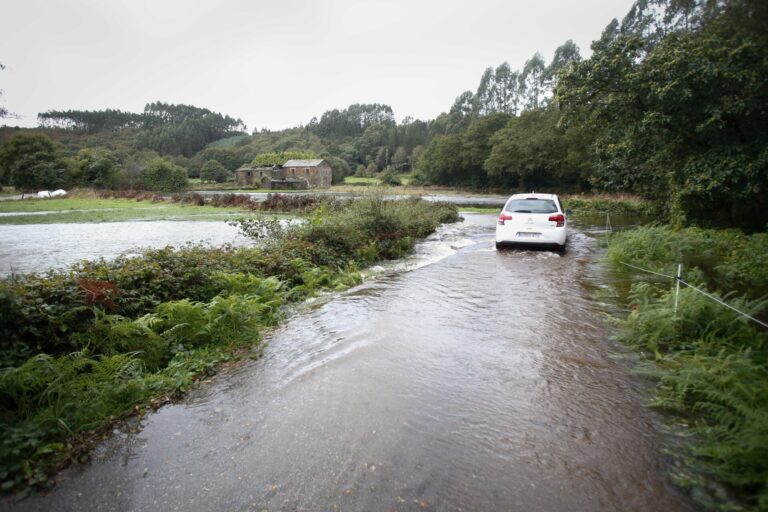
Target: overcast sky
x,y
278,63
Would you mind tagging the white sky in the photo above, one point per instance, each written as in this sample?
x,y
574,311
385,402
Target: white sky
x,y
277,63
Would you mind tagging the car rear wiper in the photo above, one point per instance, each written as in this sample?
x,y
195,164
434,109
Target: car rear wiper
x,y
523,211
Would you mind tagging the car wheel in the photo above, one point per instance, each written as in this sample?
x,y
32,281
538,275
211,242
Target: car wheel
x,y
561,249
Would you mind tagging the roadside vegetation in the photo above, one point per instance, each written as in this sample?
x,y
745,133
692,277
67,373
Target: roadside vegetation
x,y
710,364
608,203
83,347
590,205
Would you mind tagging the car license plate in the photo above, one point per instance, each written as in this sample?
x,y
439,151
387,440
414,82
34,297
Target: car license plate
x,y
529,235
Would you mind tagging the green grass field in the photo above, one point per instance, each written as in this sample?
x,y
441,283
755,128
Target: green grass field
x,y
78,210
405,179
355,180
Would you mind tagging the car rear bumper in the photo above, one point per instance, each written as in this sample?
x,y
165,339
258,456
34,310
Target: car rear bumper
x,y
530,245
509,235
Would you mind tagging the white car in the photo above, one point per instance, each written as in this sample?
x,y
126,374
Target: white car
x,y
532,220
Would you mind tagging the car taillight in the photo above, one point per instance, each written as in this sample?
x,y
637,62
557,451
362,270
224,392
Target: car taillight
x,y
559,218
503,217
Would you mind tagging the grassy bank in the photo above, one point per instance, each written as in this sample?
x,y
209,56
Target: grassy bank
x,y
105,339
54,211
582,204
710,364
131,206
607,203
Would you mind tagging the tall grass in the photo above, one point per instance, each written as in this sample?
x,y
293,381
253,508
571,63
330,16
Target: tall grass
x,y
607,203
711,364
725,259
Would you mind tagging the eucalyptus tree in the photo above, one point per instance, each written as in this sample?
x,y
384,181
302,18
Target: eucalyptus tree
x,y
565,54
533,76
484,97
4,113
461,112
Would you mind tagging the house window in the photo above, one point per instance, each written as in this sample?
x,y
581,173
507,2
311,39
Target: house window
x,y
248,174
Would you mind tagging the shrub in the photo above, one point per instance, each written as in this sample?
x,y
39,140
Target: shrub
x,y
389,177
213,171
163,176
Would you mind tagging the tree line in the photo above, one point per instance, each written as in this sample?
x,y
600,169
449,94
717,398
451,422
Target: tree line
x,y
163,127
507,133
675,101
671,105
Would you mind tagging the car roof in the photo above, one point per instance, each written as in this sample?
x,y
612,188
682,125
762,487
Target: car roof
x,y
533,195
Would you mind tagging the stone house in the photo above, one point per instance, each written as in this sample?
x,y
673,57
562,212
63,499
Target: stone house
x,y
293,174
258,177
318,173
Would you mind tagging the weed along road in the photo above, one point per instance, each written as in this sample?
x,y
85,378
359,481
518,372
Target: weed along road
x,y
460,379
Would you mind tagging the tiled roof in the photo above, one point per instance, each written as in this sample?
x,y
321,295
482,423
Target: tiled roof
x,y
302,163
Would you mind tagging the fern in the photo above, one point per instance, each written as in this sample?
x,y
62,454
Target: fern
x,y
729,394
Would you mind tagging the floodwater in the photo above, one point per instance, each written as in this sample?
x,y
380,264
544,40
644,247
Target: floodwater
x,y
40,247
462,379
460,199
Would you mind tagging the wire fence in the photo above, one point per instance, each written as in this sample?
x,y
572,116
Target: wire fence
x,y
679,280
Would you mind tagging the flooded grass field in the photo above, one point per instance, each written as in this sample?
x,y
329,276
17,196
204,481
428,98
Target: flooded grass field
x,y
40,247
462,378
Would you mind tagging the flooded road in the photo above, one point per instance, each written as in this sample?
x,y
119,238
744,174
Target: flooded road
x,y
462,379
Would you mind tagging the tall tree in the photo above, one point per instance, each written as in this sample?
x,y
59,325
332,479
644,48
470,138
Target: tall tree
x,y
3,111
532,151
26,160
680,115
508,90
486,90
533,76
565,54
96,167
461,112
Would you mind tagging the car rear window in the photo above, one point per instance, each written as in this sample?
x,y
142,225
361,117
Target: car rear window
x,y
531,205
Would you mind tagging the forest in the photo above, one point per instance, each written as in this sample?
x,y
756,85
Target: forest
x,y
670,106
